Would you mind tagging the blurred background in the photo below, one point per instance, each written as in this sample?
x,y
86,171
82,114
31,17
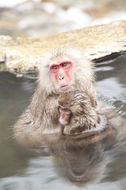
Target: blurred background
x,y
36,18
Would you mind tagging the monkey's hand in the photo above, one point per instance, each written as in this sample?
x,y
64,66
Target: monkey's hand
x,y
83,124
77,129
77,125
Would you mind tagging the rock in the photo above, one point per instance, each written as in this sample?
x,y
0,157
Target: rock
x,y
99,43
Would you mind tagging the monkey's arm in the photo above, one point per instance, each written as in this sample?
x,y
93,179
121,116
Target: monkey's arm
x,y
31,131
77,125
38,121
84,122
26,131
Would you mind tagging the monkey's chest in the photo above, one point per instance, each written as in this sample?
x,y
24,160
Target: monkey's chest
x,y
51,110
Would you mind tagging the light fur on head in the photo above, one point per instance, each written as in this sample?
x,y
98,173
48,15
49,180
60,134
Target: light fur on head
x,y
82,75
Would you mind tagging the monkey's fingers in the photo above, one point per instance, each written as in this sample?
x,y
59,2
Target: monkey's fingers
x,y
76,130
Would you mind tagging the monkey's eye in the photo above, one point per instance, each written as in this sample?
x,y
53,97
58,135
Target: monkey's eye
x,y
66,64
54,67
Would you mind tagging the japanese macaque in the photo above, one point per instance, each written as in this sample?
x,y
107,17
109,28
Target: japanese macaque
x,y
63,70
77,113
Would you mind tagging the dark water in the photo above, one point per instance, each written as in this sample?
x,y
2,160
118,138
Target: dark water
x,y
25,171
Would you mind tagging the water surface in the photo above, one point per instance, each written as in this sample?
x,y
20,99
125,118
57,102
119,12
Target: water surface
x,y
26,171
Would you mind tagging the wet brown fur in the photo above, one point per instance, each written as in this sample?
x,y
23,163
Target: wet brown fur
x,y
39,122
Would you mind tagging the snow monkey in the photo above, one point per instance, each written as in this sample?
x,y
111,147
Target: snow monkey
x,y
64,70
77,114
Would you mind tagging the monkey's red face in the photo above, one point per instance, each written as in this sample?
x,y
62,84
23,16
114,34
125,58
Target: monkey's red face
x,y
61,72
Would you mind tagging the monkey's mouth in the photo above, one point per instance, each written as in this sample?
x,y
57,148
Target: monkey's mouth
x,y
65,87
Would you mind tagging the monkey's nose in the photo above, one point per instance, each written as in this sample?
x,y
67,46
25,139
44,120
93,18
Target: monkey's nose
x,y
61,77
